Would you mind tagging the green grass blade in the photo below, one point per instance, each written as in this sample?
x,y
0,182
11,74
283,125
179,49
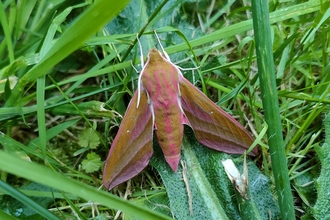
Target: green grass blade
x,y
269,96
4,215
52,179
7,32
232,30
87,24
27,201
41,114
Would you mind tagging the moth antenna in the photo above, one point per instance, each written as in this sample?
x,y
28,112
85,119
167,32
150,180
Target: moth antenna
x,y
140,76
168,58
161,46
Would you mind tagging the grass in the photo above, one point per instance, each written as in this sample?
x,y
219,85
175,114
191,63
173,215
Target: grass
x,y
66,79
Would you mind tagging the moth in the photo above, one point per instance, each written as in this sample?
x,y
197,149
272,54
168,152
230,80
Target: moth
x,y
163,103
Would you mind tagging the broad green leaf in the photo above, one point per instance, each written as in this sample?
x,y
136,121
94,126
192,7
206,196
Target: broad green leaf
x,y
211,191
321,210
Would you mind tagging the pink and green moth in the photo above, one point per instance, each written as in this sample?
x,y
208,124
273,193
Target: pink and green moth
x,y
162,104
